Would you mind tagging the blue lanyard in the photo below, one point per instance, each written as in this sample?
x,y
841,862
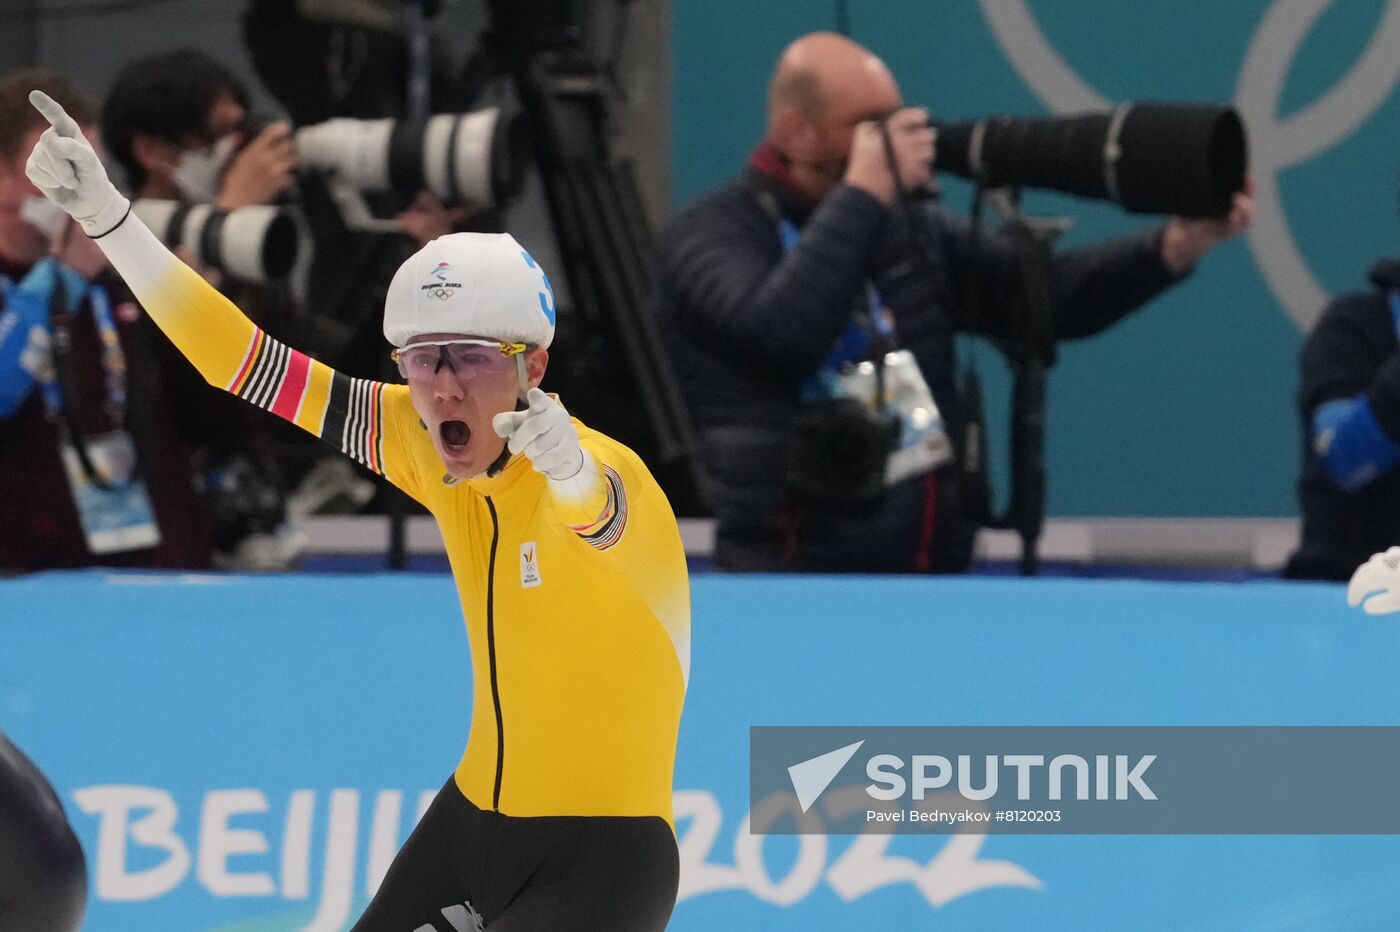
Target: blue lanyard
x,y
1395,311
113,361
113,358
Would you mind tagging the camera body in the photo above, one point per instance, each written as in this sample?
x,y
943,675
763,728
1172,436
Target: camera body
x,y
878,427
839,452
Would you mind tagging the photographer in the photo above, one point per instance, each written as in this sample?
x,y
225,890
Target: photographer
x,y
1349,402
178,124
770,283
80,396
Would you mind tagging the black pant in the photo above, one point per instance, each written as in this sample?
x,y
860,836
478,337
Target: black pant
x,y
464,866
43,878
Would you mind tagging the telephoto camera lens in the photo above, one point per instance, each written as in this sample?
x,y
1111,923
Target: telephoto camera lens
x,y
257,244
477,157
1149,158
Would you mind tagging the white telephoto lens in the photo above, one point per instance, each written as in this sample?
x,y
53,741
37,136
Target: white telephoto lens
x,y
257,244
156,215
475,134
192,237
436,155
355,151
457,156
244,244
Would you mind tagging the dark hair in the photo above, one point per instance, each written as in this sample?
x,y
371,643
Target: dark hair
x,y
18,117
168,96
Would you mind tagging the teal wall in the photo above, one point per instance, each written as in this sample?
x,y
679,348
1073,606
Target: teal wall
x,y
1187,407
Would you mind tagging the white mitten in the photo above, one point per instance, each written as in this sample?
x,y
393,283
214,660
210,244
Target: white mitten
x,y
544,434
64,166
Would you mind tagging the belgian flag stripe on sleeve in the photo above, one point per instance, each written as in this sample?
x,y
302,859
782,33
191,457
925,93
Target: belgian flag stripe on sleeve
x,y
354,420
614,520
273,376
250,359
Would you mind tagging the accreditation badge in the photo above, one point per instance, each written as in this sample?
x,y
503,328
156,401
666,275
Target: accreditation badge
x,y
118,519
922,445
923,438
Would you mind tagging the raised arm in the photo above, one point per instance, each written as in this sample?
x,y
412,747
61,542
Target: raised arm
x,y
362,418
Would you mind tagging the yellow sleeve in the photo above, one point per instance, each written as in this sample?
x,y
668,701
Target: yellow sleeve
x,y
364,419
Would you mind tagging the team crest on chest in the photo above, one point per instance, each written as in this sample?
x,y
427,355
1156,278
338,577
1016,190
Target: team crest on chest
x,y
529,565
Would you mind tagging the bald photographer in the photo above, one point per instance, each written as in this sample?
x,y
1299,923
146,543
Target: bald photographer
x,y
810,308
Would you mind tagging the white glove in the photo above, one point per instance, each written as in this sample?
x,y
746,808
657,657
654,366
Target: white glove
x,y
70,174
544,434
1379,578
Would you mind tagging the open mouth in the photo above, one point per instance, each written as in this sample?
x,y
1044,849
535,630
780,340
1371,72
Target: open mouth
x,y
455,435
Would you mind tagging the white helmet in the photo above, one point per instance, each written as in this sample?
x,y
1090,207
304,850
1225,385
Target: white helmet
x,y
478,284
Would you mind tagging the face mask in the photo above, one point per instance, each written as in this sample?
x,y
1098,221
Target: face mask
x,y
198,174
42,214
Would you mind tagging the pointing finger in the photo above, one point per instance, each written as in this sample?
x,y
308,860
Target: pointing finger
x,y
539,401
507,423
530,429
53,112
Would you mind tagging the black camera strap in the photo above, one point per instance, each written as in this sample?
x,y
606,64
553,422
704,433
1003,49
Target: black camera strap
x,y
63,394
975,464
972,445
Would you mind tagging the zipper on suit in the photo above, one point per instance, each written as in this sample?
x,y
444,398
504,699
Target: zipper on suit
x,y
491,651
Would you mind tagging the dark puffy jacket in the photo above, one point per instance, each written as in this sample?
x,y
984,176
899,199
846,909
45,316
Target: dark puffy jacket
x,y
1352,349
746,323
